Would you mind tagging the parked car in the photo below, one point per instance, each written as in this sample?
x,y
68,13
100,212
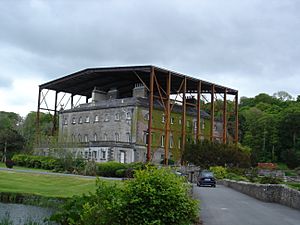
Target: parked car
x,y
206,178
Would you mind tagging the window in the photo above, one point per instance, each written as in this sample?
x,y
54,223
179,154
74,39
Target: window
x,y
195,124
79,137
162,141
86,138
106,117
128,137
80,120
146,116
105,137
128,115
172,120
65,121
117,116
179,121
117,137
103,154
86,155
94,156
73,120
95,137
96,119
171,141
146,138
163,119
87,119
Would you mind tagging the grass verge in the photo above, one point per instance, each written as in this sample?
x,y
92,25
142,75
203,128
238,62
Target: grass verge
x,y
45,185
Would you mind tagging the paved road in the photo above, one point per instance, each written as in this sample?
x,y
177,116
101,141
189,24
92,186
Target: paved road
x,y
225,206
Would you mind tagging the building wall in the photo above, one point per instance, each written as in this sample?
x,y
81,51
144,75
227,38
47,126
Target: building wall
x,y
119,127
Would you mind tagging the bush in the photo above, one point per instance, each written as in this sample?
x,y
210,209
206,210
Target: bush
x,y
219,171
233,176
108,169
9,163
90,168
155,196
270,180
158,196
34,161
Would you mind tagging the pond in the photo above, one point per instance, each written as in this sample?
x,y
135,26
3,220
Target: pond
x,y
20,214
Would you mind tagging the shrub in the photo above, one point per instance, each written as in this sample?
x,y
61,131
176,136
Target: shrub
x,y
270,180
155,196
158,196
219,171
90,168
121,172
9,163
233,176
108,169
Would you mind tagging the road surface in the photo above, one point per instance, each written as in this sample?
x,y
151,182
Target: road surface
x,y
225,206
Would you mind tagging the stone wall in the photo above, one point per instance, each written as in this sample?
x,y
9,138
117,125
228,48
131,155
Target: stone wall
x,y
267,192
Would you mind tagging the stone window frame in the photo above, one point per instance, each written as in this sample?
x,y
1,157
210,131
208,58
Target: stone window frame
x,y
105,136
106,117
117,117
87,119
86,138
163,118
172,120
73,120
95,137
162,141
128,115
79,138
96,119
128,137
80,120
65,121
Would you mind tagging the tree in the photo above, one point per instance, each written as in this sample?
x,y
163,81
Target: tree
x,y
283,96
10,138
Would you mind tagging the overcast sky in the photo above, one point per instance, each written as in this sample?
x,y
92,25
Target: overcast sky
x,y
249,45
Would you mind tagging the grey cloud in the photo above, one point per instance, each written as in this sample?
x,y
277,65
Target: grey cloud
x,y
251,38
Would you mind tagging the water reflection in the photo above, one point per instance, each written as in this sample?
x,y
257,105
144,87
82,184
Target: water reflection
x,y
20,214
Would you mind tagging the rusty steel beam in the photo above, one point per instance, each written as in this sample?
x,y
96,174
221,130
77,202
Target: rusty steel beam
x,y
198,112
236,138
55,115
168,118
38,132
225,117
212,113
183,127
152,74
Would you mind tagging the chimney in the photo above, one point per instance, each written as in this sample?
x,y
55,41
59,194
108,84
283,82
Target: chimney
x,y
112,93
139,91
98,95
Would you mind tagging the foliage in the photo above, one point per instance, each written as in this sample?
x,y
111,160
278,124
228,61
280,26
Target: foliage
x,y
270,180
9,163
219,171
90,168
233,176
270,126
206,154
294,186
34,161
155,196
108,169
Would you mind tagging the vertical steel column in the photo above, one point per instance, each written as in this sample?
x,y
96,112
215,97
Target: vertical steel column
x,y
225,117
183,122
212,112
55,115
38,132
236,138
168,118
198,112
150,114
72,101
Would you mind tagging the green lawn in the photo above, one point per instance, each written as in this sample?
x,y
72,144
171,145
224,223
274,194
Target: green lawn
x,y
45,185
2,165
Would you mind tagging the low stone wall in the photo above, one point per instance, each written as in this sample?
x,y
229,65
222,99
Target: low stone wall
x,y
267,192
